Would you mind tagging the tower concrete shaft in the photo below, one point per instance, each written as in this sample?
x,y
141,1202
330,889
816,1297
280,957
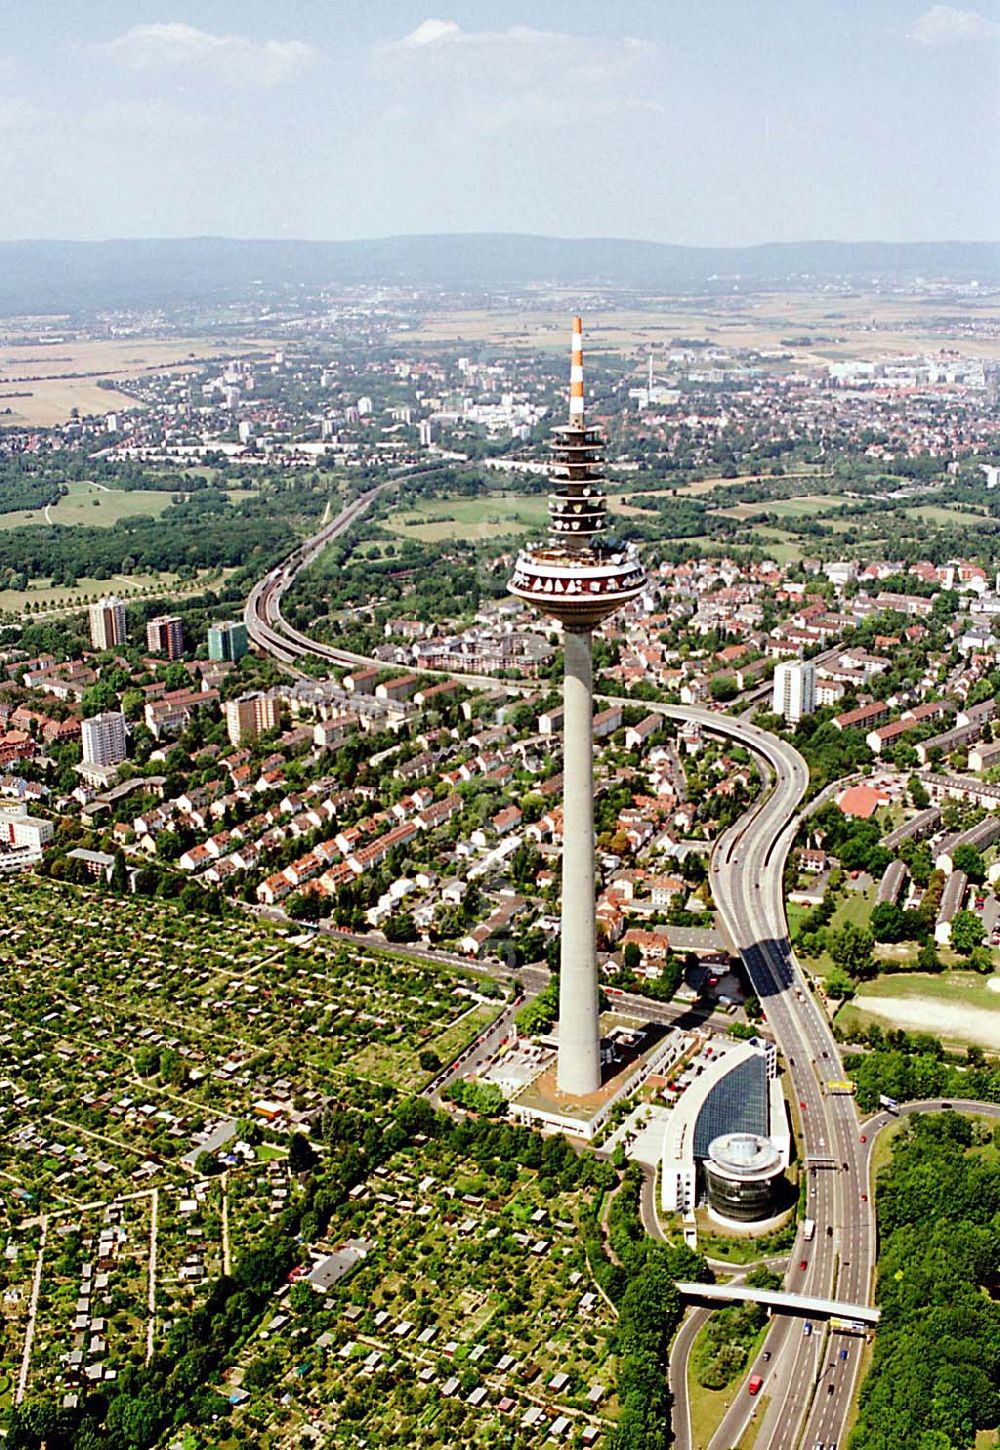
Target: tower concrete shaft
x,y
580,577
579,1070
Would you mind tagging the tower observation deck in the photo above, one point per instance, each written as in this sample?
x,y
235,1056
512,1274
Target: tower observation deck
x,y
580,577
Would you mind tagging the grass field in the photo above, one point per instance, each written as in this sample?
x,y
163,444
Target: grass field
x,y
65,375
958,1007
706,485
92,504
932,513
709,1406
60,599
790,508
472,518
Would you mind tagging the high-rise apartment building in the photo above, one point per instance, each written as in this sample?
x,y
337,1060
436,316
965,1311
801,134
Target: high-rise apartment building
x,y
580,578
227,640
250,715
165,636
794,690
107,624
104,738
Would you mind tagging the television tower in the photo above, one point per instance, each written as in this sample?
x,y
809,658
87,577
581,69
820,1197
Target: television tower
x,y
580,578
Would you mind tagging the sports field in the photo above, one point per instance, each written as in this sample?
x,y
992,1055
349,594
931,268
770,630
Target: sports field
x,y
94,504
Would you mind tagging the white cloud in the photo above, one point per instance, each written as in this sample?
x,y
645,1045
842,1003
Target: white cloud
x,y
432,31
495,80
232,60
943,25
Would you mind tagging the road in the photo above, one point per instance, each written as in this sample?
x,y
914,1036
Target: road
x,y
747,868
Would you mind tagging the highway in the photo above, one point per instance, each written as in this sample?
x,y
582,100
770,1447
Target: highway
x,y
747,866
808,1389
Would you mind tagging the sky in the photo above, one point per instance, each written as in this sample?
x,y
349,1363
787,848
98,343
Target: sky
x,y
702,122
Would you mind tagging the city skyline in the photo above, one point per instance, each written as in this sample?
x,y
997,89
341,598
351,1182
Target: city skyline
x,y
706,127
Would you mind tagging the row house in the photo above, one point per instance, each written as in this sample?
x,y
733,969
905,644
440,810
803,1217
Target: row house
x,y
274,889
438,812
411,805
171,714
366,857
637,735
863,717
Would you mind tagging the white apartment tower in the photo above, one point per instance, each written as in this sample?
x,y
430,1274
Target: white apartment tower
x,y
250,715
794,690
104,739
107,624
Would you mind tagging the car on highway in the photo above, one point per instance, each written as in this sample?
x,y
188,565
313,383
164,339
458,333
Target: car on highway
x,y
864,1198
803,1263
754,1383
843,1355
864,1137
807,1328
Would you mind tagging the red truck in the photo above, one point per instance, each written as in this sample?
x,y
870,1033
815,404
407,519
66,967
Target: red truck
x,y
755,1383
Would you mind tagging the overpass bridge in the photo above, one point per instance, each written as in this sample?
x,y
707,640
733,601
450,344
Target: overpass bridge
x,y
781,1300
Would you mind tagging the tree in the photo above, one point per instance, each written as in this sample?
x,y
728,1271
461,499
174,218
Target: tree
x,y
966,932
631,956
886,922
851,949
918,793
301,1154
928,959
966,858
839,985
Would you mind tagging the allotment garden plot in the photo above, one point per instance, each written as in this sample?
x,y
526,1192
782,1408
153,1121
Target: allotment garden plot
x,y
468,1305
134,1037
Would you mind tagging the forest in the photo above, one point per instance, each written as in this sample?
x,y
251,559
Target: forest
x,y
936,1364
204,531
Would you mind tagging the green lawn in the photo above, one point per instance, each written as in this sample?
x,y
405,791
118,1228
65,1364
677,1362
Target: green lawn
x,y
968,988
790,508
61,598
933,513
709,1406
472,518
853,906
956,1006
87,503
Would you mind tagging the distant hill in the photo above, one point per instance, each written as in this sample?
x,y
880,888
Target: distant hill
x,y
79,276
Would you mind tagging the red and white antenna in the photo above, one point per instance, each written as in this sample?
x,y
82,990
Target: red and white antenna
x,y
576,375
